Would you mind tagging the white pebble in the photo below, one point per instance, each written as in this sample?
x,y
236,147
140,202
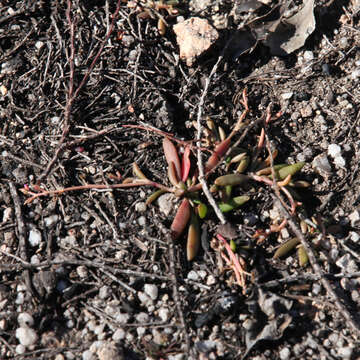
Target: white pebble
x,y
354,236
34,237
140,331
140,207
20,349
25,320
151,290
26,336
88,355
288,95
284,354
122,318
142,317
51,220
166,203
308,55
345,352
210,280
192,275
20,298
355,74
334,150
141,220
104,292
340,162
118,335
35,260
144,298
354,218
39,44
55,120
164,314
7,213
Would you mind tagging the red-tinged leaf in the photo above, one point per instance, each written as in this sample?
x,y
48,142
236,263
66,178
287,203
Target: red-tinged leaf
x,y
186,164
172,174
172,156
222,148
193,240
212,162
219,152
181,219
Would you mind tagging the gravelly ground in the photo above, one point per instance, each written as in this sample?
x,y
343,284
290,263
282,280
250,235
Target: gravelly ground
x,y
93,274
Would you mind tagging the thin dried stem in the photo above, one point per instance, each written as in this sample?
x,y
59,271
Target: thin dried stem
x,y
72,94
200,164
94,187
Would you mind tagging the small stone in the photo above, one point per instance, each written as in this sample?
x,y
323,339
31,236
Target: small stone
x,y
194,36
39,44
7,214
140,331
55,120
35,260
104,292
3,90
88,355
82,271
140,207
287,95
355,296
59,357
334,150
151,290
192,275
355,74
344,43
26,336
142,317
108,351
285,354
316,289
118,335
122,318
354,236
347,264
211,280
166,203
308,55
354,218
34,237
164,314
345,352
20,298
20,349
141,221
25,320
306,111
51,220
339,162
144,298
321,163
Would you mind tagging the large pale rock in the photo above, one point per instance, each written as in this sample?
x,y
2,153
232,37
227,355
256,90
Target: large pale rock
x,y
194,36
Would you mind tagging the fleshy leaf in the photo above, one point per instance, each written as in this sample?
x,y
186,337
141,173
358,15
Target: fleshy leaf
x,y
220,151
172,156
186,164
193,240
231,179
233,203
181,219
284,249
202,210
172,175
